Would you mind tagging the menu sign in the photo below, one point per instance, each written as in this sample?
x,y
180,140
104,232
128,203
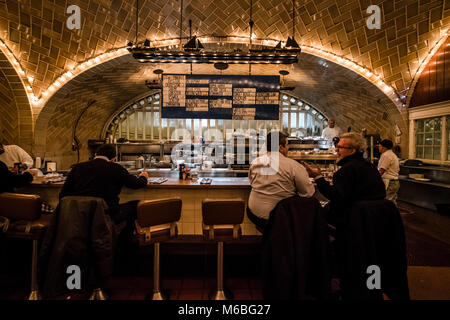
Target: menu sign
x,y
220,97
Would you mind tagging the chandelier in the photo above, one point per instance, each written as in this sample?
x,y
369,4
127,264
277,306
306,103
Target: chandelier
x,y
194,52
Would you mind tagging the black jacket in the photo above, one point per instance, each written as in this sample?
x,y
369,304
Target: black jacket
x,y
373,234
100,178
9,180
356,180
80,233
295,251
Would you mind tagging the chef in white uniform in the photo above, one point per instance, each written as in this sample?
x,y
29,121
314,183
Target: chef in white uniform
x,y
331,131
10,154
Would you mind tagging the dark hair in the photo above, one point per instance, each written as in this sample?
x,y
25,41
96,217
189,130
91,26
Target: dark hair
x,y
387,144
273,146
106,150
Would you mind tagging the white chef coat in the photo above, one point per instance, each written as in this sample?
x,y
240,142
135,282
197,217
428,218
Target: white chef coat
x,y
329,133
389,162
14,154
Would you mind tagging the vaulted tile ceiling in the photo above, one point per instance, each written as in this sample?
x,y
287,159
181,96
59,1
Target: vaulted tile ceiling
x,y
36,30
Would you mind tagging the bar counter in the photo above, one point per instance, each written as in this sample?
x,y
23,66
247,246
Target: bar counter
x,y
191,193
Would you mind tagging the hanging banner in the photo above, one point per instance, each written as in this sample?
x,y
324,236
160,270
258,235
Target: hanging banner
x,y
220,97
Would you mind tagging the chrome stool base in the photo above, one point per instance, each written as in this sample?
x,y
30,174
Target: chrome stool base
x,y
98,294
34,296
221,295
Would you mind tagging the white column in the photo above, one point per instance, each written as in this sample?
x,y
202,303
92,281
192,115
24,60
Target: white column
x,y
412,138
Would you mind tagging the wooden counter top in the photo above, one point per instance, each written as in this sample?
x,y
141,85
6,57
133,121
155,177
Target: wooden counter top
x,y
217,183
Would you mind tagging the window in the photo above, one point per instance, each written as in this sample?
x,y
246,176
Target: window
x,y
448,137
428,138
142,121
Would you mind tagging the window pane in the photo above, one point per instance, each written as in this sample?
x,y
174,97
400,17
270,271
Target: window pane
x,y
429,124
309,125
428,152
301,120
419,139
285,121
419,152
437,153
428,139
188,124
293,120
448,140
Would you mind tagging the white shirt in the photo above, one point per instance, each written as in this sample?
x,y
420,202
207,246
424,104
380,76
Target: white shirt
x,y
286,178
329,133
14,154
389,162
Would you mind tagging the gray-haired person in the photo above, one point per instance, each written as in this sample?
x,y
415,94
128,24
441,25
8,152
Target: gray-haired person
x,y
356,180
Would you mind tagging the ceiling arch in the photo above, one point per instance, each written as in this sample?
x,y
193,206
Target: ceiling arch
x,y
17,119
37,34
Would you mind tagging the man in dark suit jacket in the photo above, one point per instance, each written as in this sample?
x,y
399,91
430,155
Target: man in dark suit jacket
x,y
356,180
9,180
103,178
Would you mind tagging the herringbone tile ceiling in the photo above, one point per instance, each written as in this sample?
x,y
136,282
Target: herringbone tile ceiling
x,y
36,30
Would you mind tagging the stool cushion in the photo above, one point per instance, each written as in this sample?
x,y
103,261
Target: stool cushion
x,y
20,206
31,230
157,235
222,233
223,211
160,211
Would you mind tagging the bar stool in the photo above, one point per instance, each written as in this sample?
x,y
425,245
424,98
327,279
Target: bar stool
x,y
156,222
20,218
222,220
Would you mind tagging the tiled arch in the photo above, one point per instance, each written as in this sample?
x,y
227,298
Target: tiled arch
x,y
16,114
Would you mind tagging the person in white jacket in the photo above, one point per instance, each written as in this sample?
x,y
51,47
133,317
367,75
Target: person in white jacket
x,y
389,168
10,154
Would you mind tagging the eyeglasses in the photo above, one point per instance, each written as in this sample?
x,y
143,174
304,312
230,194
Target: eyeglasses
x,y
342,147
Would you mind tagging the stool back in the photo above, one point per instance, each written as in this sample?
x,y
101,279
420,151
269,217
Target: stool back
x,y
20,206
221,214
222,211
156,219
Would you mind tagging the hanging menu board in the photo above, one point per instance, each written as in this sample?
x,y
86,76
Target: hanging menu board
x,y
220,97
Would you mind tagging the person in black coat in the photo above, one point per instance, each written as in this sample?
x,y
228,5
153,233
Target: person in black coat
x,y
356,180
103,178
9,180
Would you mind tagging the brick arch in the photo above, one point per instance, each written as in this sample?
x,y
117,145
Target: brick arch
x,y
16,115
48,49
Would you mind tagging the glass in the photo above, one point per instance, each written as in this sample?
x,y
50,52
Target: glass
x,y
437,124
420,125
429,124
428,152
285,120
419,152
301,120
448,140
419,139
428,139
437,153
293,120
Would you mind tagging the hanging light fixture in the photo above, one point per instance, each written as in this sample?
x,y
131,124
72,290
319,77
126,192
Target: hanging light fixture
x,y
194,51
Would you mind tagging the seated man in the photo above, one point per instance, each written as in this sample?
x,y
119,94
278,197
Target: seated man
x,y
274,177
103,178
11,154
356,180
9,180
